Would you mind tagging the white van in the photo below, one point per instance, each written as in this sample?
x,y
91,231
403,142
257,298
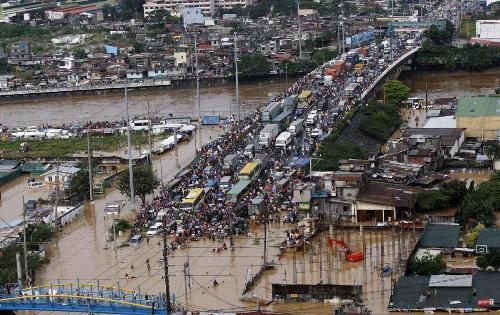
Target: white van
x,y
154,229
138,125
283,139
135,240
311,118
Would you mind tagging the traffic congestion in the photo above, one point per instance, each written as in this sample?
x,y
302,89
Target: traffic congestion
x,y
248,172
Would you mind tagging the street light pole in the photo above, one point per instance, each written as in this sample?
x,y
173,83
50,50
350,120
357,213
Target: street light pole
x,y
300,35
165,267
129,143
198,100
91,184
236,75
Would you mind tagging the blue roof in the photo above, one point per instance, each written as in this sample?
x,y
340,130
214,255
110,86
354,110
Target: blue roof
x,y
300,162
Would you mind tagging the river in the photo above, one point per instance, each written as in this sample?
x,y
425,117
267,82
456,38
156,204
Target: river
x,y
442,84
180,102
80,251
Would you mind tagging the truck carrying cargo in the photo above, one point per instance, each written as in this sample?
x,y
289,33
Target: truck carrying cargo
x,y
358,67
262,160
271,111
339,65
364,51
283,139
289,103
352,90
268,134
231,160
331,72
296,127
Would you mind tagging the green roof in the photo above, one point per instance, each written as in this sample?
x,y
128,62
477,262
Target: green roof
x,y
478,106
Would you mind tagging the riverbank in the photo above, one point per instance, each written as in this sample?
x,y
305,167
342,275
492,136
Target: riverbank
x,y
134,86
447,84
214,100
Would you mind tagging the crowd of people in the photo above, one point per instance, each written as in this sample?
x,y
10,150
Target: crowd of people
x,y
215,218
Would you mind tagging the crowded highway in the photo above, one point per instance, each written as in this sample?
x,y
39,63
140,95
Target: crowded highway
x,y
255,163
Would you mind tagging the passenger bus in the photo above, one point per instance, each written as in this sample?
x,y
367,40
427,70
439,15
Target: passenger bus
x,y
249,172
193,199
305,97
238,190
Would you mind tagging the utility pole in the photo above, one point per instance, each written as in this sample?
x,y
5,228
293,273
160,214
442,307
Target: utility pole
x,y
150,147
300,35
265,238
57,193
165,267
25,247
91,182
236,75
198,100
176,149
338,37
129,143
19,272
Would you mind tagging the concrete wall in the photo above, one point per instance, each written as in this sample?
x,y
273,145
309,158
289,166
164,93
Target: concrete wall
x,y
480,127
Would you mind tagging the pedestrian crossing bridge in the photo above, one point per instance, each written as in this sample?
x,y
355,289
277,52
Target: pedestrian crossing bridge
x,y
82,297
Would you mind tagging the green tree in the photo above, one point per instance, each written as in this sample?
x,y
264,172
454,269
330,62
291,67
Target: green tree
x,y
472,235
121,226
163,16
80,184
253,65
479,205
379,120
331,152
427,265
139,47
491,259
441,37
80,53
145,182
395,92
455,190
431,200
39,233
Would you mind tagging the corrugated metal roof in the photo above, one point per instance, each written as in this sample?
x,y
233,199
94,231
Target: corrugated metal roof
x,y
457,281
478,106
489,237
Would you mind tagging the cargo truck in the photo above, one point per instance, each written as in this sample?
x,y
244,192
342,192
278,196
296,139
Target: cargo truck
x,y
268,134
296,127
271,111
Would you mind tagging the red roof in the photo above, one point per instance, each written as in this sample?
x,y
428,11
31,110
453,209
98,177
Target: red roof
x,y
485,42
77,9
204,46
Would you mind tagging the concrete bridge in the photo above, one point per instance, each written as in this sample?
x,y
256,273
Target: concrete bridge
x,y
392,72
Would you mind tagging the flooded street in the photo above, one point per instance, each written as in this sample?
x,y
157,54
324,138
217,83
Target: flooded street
x,y
81,250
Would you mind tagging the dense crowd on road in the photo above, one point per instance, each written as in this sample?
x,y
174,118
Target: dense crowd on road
x,y
215,218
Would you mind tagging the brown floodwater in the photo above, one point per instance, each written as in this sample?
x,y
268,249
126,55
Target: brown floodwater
x,y
81,251
451,84
181,102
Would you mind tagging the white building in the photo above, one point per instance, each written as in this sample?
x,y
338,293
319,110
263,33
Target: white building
x,y
488,30
208,7
64,172
67,63
192,16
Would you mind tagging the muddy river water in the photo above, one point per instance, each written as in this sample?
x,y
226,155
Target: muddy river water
x,y
81,250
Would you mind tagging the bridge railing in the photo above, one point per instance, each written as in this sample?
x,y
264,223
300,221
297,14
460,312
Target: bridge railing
x,y
82,294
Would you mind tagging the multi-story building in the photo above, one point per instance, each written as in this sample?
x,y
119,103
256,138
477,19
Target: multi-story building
x,y
20,52
206,6
480,116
